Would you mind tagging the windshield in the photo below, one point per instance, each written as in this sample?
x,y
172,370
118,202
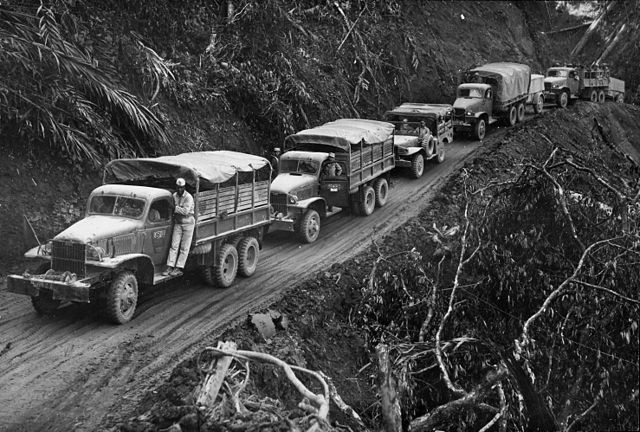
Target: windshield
x,y
299,166
117,206
557,73
470,93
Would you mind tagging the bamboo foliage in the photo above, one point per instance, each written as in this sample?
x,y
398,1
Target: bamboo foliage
x,y
56,92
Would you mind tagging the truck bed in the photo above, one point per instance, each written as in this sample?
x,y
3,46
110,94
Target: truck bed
x,y
225,210
368,162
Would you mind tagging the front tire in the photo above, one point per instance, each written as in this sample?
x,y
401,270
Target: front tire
x,y
417,166
309,228
226,267
593,96
368,204
563,99
441,154
248,255
44,304
122,298
539,106
381,187
480,129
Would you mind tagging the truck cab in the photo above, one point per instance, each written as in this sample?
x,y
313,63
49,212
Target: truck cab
x,y
473,108
561,84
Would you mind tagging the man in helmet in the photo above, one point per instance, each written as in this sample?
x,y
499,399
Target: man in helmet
x,y
182,229
332,168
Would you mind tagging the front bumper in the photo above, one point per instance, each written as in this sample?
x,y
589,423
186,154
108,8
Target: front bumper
x,y
77,291
463,124
282,223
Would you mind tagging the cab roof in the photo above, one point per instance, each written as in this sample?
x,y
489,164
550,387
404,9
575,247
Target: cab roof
x,y
132,191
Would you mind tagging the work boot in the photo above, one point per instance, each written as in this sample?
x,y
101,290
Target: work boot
x,y
176,272
168,271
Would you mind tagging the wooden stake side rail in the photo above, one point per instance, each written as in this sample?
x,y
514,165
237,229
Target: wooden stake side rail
x,y
368,162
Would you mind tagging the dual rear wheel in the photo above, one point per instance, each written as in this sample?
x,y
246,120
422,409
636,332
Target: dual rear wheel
x,y
240,257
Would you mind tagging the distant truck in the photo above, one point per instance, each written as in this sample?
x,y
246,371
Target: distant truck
x,y
413,145
536,93
123,241
495,91
303,194
566,83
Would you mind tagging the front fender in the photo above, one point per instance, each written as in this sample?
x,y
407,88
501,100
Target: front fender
x,y
309,202
410,151
141,264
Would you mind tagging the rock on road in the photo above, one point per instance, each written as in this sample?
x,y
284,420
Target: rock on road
x,y
67,372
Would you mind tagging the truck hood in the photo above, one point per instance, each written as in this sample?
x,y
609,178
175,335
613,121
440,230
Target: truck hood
x,y
406,141
468,104
555,80
291,183
95,227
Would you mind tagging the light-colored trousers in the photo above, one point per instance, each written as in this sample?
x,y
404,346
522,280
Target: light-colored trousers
x,y
181,238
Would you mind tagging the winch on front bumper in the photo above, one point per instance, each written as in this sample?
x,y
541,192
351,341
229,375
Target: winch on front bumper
x,y
62,285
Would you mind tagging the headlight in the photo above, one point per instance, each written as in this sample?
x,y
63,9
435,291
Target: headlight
x,y
469,113
293,199
95,253
46,249
556,86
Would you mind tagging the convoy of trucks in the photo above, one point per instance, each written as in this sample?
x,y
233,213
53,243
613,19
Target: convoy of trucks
x,y
122,242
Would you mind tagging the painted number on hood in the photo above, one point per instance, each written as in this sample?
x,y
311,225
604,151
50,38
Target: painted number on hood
x,y
159,234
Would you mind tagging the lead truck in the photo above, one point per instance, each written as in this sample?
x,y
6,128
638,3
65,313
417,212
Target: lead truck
x,y
489,93
122,242
564,84
302,194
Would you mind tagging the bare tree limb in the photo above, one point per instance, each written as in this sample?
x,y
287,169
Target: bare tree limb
x,y
582,415
612,292
503,410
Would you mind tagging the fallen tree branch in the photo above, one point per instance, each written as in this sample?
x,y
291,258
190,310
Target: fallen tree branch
x,y
321,401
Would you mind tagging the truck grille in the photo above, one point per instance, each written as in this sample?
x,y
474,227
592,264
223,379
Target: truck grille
x,y
547,86
68,256
458,113
279,202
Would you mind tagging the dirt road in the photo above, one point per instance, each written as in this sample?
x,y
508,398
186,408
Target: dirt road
x,y
68,372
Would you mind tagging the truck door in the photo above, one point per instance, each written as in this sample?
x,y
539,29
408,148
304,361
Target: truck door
x,y
158,230
487,102
574,82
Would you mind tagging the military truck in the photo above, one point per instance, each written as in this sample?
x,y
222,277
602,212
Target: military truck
x,y
564,84
303,193
122,242
536,93
495,91
413,145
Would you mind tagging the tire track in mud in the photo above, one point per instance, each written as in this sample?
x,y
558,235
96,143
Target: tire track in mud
x,y
68,372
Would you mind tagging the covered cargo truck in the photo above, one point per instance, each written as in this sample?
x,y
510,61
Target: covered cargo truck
x,y
341,164
122,242
495,91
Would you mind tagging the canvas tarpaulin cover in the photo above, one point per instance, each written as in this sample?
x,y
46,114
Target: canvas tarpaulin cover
x,y
512,79
209,167
343,133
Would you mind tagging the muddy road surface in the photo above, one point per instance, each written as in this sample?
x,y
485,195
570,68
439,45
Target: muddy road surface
x,y
67,372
